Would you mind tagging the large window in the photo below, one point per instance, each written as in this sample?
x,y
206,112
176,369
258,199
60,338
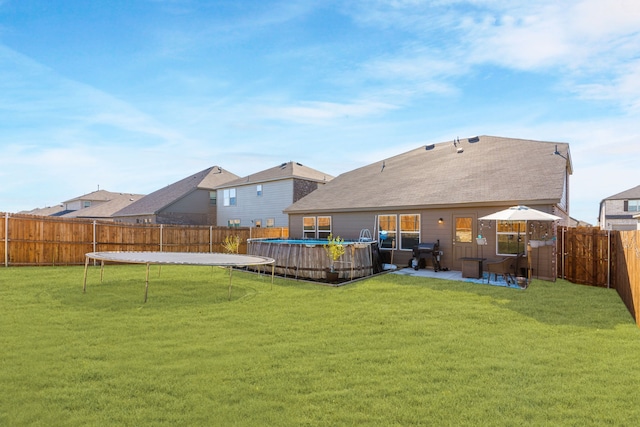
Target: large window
x,y
403,235
387,231
234,223
409,231
633,206
229,196
316,227
309,227
511,236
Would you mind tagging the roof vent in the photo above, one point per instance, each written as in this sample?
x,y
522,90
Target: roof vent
x,y
460,150
474,139
429,147
299,164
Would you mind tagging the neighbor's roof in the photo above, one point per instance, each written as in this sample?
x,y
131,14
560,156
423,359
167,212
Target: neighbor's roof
x,y
287,170
153,203
95,196
632,193
477,170
105,209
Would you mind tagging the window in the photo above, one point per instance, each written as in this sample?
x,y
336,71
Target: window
x,y
387,231
229,196
259,190
213,195
633,206
309,227
257,223
86,204
409,231
271,222
324,227
464,230
510,236
234,223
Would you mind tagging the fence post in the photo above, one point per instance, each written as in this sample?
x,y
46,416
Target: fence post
x,y
211,239
161,229
6,239
94,236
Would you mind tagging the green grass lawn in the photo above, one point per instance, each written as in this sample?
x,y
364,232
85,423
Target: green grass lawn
x,y
390,350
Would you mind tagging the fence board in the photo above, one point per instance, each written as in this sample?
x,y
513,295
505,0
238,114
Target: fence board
x,y
37,240
584,256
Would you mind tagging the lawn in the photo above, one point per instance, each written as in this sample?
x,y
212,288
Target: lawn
x,y
390,350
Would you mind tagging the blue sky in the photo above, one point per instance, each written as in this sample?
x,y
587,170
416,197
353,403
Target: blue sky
x,y
132,95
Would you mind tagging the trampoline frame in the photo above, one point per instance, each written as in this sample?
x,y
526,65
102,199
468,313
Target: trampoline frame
x,y
213,259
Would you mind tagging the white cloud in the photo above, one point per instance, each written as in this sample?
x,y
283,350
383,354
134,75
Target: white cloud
x,y
324,112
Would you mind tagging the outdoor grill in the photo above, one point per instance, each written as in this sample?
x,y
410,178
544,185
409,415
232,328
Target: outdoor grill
x,y
424,252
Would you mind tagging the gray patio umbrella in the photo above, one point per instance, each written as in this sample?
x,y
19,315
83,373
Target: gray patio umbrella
x,y
520,213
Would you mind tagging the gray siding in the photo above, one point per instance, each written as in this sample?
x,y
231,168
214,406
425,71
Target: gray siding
x,y
276,196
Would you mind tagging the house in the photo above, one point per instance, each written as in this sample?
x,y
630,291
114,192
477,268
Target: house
x,y
437,192
104,211
258,200
190,201
617,211
103,203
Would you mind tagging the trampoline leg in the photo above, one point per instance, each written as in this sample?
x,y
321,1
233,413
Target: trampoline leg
x,y
86,265
101,271
273,270
146,284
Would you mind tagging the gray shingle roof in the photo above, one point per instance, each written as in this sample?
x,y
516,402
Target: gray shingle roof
x,y
282,171
632,193
106,209
154,202
97,196
487,170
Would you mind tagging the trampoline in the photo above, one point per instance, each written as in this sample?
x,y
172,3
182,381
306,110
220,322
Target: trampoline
x,y
175,258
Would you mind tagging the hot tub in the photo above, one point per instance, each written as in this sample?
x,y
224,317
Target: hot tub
x,y
307,259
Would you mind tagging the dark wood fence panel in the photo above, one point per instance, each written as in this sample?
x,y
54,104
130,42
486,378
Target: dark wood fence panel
x,y
585,256
36,240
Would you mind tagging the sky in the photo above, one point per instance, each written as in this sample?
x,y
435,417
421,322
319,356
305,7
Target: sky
x,y
133,95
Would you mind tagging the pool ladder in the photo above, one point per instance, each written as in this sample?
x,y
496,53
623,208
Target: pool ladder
x,y
365,235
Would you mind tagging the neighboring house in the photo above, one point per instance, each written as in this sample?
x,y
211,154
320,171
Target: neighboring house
x,y
73,207
637,218
258,200
105,210
617,211
190,201
437,192
577,223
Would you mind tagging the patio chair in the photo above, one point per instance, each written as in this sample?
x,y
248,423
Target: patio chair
x,y
507,268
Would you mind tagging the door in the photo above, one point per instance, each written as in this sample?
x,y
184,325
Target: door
x,y
464,242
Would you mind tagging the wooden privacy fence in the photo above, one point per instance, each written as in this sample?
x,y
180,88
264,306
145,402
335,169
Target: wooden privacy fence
x,y
35,240
603,258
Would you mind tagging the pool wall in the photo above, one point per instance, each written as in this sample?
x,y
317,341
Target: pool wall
x,y
308,260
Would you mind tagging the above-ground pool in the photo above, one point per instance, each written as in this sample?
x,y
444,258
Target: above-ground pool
x,y
307,259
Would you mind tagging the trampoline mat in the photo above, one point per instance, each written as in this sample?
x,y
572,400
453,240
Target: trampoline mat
x,y
183,258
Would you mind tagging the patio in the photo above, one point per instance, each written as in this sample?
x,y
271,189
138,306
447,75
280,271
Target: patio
x,y
454,275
